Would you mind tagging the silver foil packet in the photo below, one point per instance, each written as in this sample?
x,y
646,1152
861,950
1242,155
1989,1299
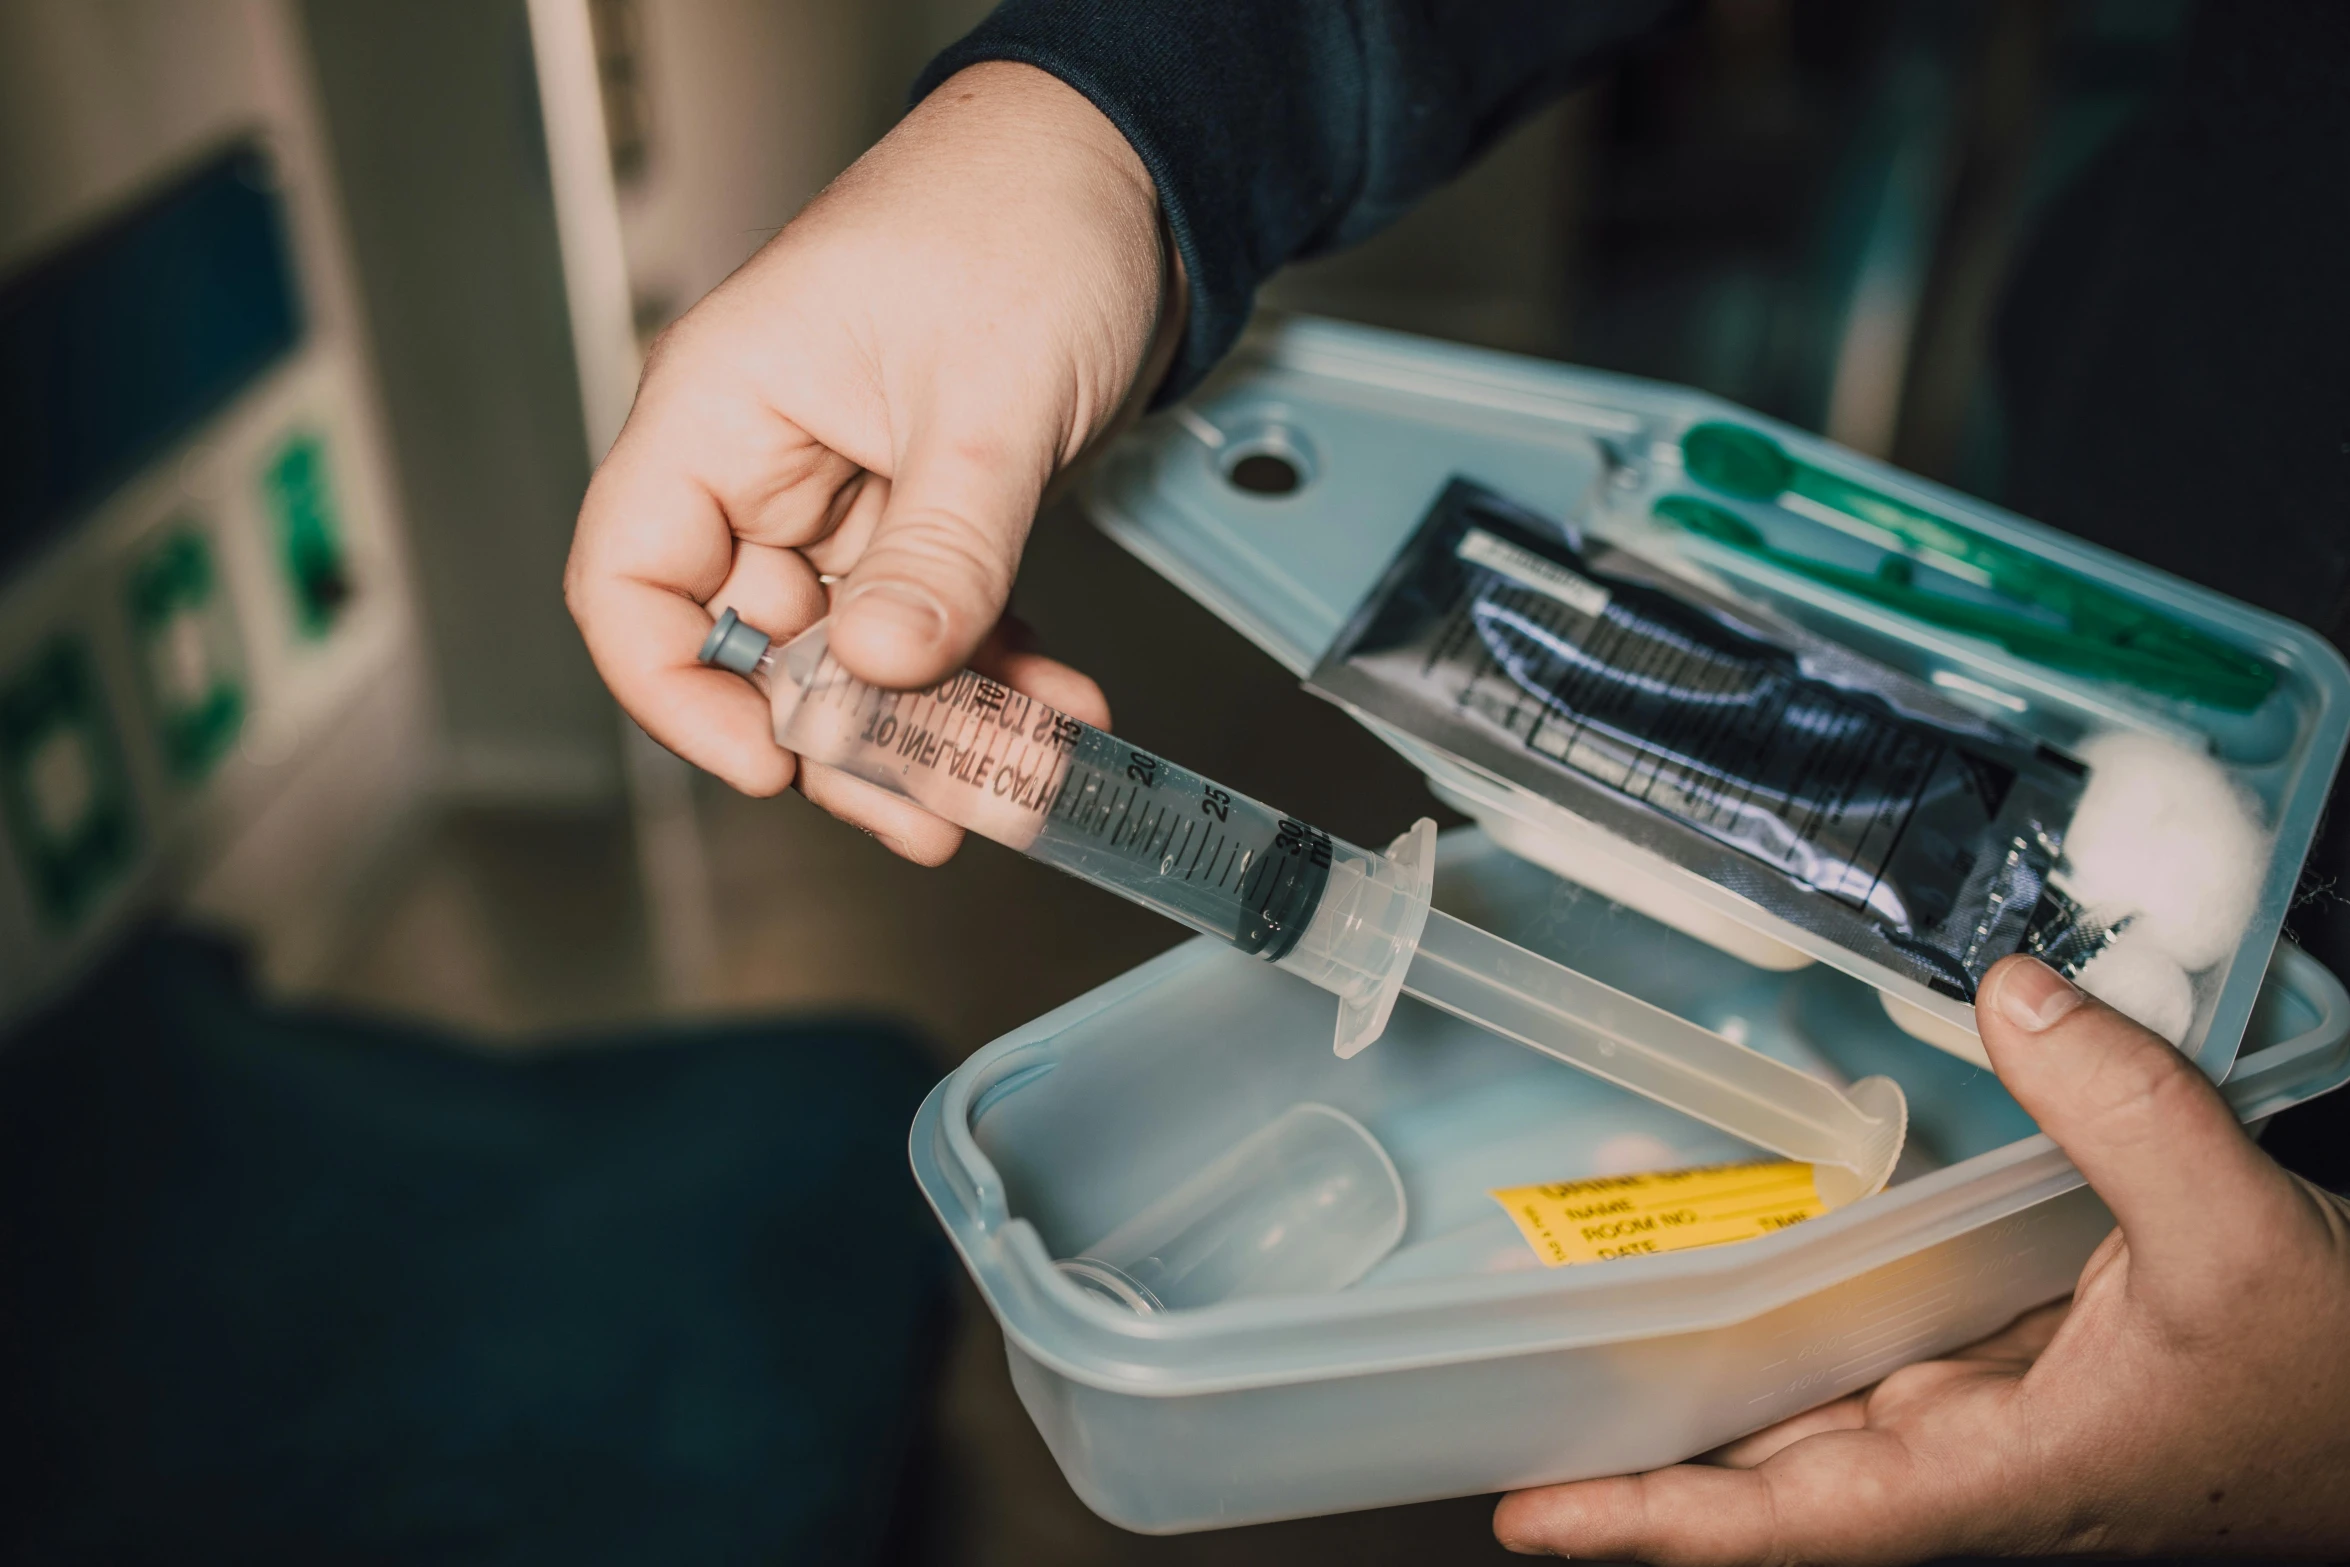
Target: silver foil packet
x,y
1829,789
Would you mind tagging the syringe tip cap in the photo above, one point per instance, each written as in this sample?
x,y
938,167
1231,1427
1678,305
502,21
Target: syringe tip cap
x,y
733,645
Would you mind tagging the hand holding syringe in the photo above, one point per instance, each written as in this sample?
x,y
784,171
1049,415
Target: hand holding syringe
x,y
1355,923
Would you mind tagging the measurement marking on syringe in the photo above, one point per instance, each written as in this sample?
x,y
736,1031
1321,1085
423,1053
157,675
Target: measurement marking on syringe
x,y
1197,850
985,736
1175,847
1148,832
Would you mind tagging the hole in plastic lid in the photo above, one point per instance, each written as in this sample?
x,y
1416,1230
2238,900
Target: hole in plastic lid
x,y
1266,473
1271,460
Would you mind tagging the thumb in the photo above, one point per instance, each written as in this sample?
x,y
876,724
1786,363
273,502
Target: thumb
x,y
934,578
2140,1120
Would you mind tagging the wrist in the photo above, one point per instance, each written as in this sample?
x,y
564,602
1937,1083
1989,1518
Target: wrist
x,y
1045,117
1174,315
1046,130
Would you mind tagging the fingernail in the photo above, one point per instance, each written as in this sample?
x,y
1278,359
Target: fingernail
x,y
2033,996
905,609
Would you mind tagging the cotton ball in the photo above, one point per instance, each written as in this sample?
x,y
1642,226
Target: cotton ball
x,y
2164,835
2139,982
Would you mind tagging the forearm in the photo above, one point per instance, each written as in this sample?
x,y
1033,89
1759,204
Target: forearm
x,y
1276,130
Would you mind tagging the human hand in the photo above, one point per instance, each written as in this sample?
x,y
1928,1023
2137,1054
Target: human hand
x,y
2192,1397
880,396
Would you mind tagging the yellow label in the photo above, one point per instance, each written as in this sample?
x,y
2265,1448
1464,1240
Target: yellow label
x,y
1612,1216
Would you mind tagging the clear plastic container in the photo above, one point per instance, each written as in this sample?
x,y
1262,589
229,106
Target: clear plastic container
x,y
1453,1367
1374,424
1304,1205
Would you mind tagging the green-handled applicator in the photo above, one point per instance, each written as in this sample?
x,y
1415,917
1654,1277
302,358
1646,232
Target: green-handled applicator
x,y
2083,628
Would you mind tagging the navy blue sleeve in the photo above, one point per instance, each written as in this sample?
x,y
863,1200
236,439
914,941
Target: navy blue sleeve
x,y
1279,128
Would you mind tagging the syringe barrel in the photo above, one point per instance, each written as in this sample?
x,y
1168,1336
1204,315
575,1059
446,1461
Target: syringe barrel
x,y
1002,764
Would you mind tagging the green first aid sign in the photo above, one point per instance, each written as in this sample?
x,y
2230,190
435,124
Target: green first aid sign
x,y
309,535
63,788
185,635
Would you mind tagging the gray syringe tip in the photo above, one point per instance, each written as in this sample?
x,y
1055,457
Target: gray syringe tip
x,y
733,645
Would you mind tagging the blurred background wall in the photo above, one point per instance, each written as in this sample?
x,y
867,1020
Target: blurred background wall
x,y
211,677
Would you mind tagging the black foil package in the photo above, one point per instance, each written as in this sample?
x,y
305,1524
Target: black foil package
x,y
1842,795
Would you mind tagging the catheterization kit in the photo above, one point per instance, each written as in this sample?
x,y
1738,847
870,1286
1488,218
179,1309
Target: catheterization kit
x,y
1772,750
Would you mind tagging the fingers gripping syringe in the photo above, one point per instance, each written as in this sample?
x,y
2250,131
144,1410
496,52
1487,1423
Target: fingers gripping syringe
x,y
1355,923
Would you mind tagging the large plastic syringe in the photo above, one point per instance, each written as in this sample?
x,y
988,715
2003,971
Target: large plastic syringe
x,y
1357,924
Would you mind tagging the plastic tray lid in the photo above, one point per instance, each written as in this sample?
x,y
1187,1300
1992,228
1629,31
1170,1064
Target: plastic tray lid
x,y
1373,424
